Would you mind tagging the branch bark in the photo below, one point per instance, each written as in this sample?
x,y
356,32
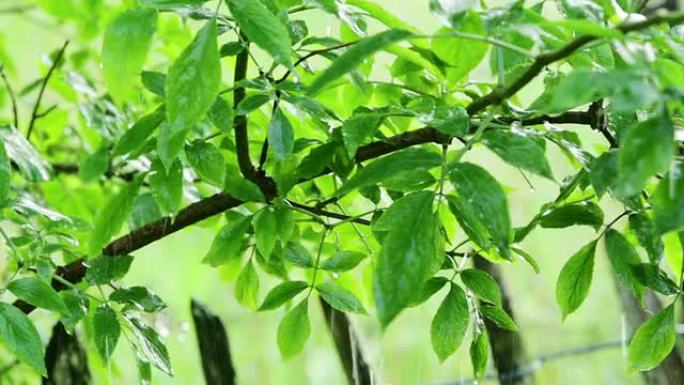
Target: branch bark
x,y
212,338
65,359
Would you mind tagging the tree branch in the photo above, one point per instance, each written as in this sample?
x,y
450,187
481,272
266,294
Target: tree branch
x,y
46,79
498,95
12,96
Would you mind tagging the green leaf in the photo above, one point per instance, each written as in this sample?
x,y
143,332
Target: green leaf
x,y
262,27
38,293
111,218
653,341
251,103
149,344
668,201
285,223
603,172
94,165
528,258
207,161
621,255
340,298
354,56
297,254
479,353
429,288
280,135
106,331
241,188
482,204
105,268
343,261
294,330
5,174
575,279
586,213
452,121
482,285
265,232
154,82
247,287
642,226
450,323
24,155
20,337
191,88
167,185
139,297
461,54
411,252
228,243
499,317
645,149
135,137
282,293
654,278
126,42
526,152
391,165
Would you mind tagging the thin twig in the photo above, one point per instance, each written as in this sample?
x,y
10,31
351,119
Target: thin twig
x,y
12,96
312,54
36,106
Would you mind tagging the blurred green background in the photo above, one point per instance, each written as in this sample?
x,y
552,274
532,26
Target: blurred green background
x,y
402,355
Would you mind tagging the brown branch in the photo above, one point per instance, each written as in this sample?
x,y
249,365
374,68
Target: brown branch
x,y
12,96
214,346
498,95
43,85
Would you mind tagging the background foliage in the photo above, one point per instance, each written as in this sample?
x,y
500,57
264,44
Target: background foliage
x,y
129,131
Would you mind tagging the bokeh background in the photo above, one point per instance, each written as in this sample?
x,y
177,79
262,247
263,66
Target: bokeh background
x,y
402,355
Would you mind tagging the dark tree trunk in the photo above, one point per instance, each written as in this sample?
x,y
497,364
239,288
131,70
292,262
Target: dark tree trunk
x,y
65,359
670,371
213,345
508,350
356,367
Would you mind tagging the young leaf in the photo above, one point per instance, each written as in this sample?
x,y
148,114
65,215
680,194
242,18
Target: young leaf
x,y
263,28
522,151
587,213
479,353
106,331
340,298
654,278
191,88
462,54
227,244
294,330
126,43
265,232
653,341
138,296
5,174
354,56
668,201
247,286
575,279
167,185
483,204
343,261
298,254
645,149
150,346
280,135
450,323
429,288
642,226
390,165
207,161
285,223
482,285
621,255
38,293
105,268
409,253
20,337
499,317
135,137
110,219
282,293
